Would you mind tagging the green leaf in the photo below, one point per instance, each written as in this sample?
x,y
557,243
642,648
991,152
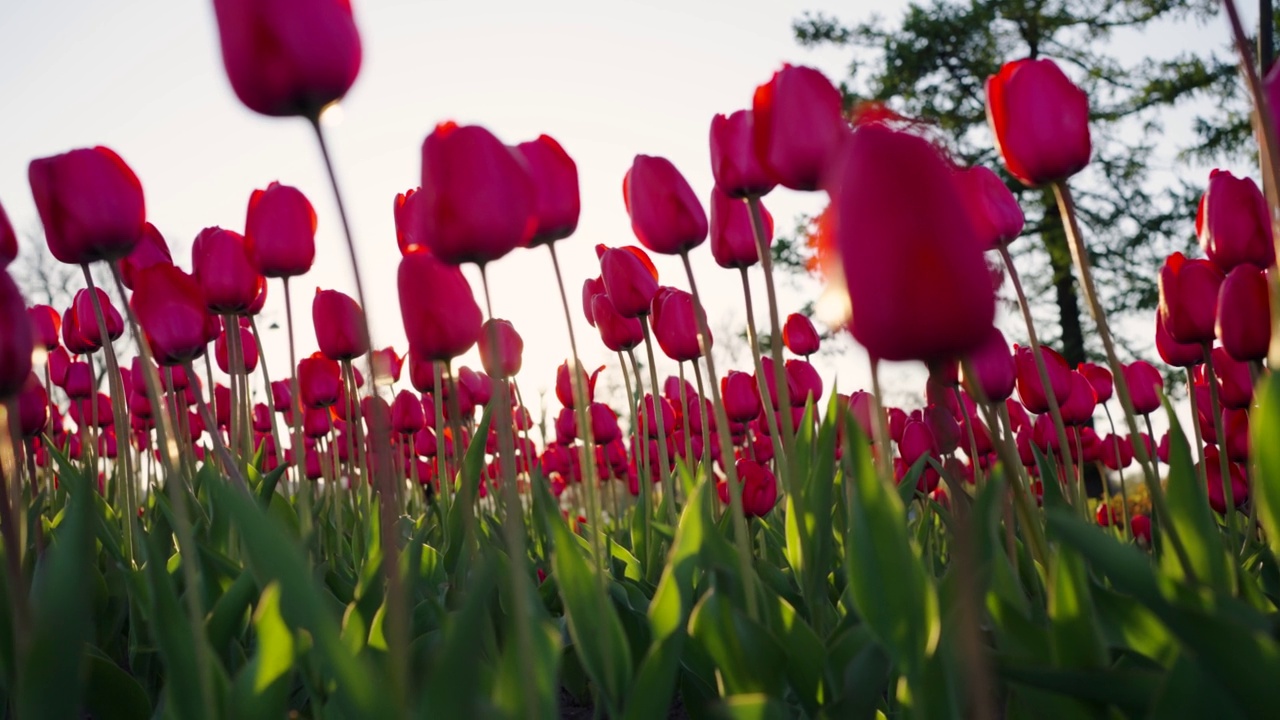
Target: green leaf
x,y
753,706
1129,689
453,687
1264,452
747,657
1075,638
261,689
111,693
1188,503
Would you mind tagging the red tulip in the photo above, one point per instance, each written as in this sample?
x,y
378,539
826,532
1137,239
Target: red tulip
x,y
564,385
15,342
33,407
666,215
281,395
478,200
319,381
1233,223
1040,121
1099,379
994,371
1145,384
604,424
503,359
674,325
1212,468
340,325
618,333
8,240
733,241
248,348
1244,313
799,335
737,171
555,181
46,326
1235,423
992,207
1141,527
280,231
917,442
75,340
913,263
591,287
1173,352
288,57
150,250
317,421
79,381
740,395
440,315
90,203
1189,298
222,265
87,319
797,125
1235,382
171,310
408,221
1079,407
406,413
805,380
759,488
630,280
1030,389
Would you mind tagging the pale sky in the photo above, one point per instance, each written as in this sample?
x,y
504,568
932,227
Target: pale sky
x,y
609,80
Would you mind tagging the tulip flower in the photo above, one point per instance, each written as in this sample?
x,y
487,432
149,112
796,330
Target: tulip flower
x,y
649,420
913,262
675,326
1189,298
46,326
797,126
76,341
805,380
618,333
740,395
733,242
1079,407
734,165
79,382
1233,223
281,395
87,319
340,325
799,335
1145,384
665,213
604,424
993,368
478,200
8,240
33,407
1235,423
1099,379
503,359
1040,120
1244,313
15,342
280,231
555,182
917,442
630,279
1212,468
1030,390
90,204
150,250
992,207
222,265
408,222
319,381
288,57
1117,452
440,315
248,349
759,488
564,384
1235,382
1173,352
317,422
171,310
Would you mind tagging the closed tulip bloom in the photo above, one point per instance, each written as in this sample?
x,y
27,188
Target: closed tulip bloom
x,y
1099,379
248,346
759,488
1117,452
806,382
1040,120
150,250
339,324
317,422
740,395
15,342
87,319
733,241
280,230
647,413
221,263
666,215
90,204
604,424
76,341
630,280
555,181
33,407
1235,423
319,381
440,315
1244,313
281,395
564,384
797,125
904,235
1212,468
994,371
478,201
502,360
799,335
408,222
171,310
734,165
1173,352
1079,407
1235,382
46,326
288,57
8,240
618,333
675,326
1145,383
79,382
1189,298
1030,390
994,210
591,287
917,442
1233,223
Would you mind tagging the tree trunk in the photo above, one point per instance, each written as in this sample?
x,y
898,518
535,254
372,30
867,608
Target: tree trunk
x,y
1064,283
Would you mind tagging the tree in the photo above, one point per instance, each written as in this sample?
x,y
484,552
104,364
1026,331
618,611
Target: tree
x,y
934,63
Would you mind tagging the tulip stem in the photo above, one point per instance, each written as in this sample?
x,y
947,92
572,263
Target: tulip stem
x,y
1224,463
11,527
1124,492
1080,254
973,436
722,431
706,421
762,383
295,400
644,474
659,422
270,399
684,413
1195,425
880,428
775,325
443,478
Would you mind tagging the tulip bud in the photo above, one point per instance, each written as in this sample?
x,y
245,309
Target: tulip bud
x,y
1233,223
805,381
917,442
90,204
46,326
150,250
1244,314
171,311
994,371
1099,379
1030,390
555,181
340,325
1079,407
1235,382
797,125
87,318
565,389
75,340
674,325
759,488
477,200
33,407
618,333
604,424
221,264
1235,423
799,335
992,207
1173,352
15,342
1212,468
319,381
1117,452
740,395
280,231
651,424
1040,120
666,215
1189,298
630,280
734,165
1145,384
248,351
733,241
440,315
502,359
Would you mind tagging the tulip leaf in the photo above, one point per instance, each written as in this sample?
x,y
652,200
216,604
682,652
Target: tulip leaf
x,y
1264,449
1190,517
